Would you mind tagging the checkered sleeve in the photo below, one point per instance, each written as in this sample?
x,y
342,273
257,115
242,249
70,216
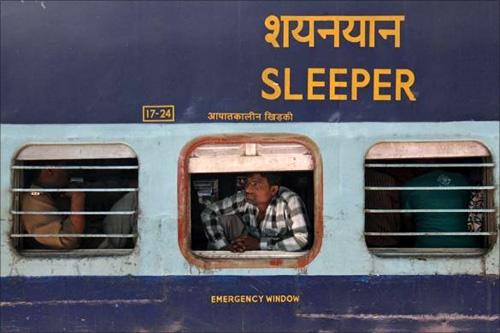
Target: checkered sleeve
x,y
297,238
211,215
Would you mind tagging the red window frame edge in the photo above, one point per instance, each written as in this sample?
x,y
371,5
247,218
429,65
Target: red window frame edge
x,y
184,203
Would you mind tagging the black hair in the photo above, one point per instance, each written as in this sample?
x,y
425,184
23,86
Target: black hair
x,y
33,175
273,178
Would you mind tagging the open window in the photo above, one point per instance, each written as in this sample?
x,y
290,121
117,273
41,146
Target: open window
x,y
74,199
429,198
216,167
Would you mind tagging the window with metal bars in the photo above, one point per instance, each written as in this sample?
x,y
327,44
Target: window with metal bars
x,y
75,199
429,198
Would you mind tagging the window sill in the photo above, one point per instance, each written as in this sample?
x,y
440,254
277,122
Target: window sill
x,y
428,252
75,253
248,254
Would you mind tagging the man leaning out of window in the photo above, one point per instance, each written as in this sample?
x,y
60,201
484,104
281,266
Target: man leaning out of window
x,y
265,216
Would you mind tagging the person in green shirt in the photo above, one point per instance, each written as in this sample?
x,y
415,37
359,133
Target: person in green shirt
x,y
435,199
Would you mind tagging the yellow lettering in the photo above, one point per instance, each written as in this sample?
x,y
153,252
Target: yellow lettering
x,y
342,83
377,84
406,84
337,84
276,89
357,82
311,84
289,96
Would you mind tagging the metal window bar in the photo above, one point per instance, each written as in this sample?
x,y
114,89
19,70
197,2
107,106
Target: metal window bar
x,y
16,212
18,189
430,165
75,167
79,189
75,235
486,210
17,181
432,252
427,188
430,233
74,252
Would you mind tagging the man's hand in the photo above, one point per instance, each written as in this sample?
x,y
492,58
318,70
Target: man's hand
x,y
77,197
77,205
244,243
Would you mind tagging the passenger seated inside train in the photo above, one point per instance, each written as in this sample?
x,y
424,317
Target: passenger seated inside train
x,y
445,199
382,200
394,199
62,201
263,215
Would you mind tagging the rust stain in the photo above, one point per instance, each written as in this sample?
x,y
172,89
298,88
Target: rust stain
x,y
276,262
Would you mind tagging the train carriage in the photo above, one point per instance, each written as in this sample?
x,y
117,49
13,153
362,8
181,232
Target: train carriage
x,y
155,110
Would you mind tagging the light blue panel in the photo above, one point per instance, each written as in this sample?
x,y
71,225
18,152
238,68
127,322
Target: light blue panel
x,y
342,146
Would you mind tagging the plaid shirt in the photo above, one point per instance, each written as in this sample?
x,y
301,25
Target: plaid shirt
x,y
284,227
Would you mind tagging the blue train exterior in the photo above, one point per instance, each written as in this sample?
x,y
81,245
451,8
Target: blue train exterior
x,y
82,73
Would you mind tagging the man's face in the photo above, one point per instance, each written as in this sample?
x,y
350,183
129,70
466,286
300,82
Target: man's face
x,y
258,191
54,177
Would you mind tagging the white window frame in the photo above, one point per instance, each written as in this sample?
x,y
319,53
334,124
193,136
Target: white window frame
x,y
67,152
392,151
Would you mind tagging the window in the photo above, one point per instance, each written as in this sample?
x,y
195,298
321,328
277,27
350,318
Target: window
x,y
75,199
429,198
214,168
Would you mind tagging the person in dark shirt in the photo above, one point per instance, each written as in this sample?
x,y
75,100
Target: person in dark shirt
x,y
436,199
